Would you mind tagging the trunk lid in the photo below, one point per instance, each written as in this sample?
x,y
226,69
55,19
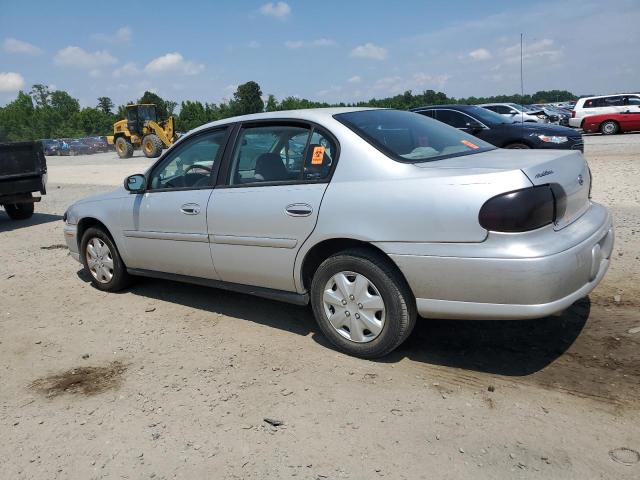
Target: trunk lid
x,y
566,168
570,171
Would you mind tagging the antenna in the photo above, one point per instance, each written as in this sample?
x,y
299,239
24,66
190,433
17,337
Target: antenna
x,y
521,84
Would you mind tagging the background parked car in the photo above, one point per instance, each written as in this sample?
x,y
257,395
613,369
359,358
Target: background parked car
x,y
612,123
626,102
78,147
502,131
515,112
555,114
50,147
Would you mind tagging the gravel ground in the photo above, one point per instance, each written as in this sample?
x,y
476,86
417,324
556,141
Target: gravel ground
x,y
168,380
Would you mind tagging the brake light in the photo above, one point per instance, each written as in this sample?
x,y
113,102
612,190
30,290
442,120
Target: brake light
x,y
523,210
573,114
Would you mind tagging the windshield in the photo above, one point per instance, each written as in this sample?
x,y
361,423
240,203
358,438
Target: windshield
x,y
487,116
411,137
520,108
147,112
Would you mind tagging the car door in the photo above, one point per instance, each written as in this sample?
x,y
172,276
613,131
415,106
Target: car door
x,y
269,202
165,228
461,121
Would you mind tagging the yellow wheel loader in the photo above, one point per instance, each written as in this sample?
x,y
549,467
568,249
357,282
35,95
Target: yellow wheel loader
x,y
141,129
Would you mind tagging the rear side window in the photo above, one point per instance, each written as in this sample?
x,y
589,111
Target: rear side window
x,y
453,118
613,101
411,137
280,153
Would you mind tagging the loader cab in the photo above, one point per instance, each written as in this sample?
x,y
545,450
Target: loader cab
x,y
137,115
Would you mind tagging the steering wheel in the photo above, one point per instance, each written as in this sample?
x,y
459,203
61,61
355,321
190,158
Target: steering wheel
x,y
192,167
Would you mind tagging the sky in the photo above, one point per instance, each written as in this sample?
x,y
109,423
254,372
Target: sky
x,y
321,50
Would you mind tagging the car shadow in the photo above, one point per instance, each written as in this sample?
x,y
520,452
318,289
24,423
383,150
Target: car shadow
x,y
7,225
283,316
503,347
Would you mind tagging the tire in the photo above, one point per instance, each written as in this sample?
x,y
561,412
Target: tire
x,y
518,146
107,270
152,146
609,127
124,148
384,286
19,211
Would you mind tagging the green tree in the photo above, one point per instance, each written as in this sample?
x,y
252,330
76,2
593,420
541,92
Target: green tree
x,y
192,115
247,99
17,120
171,106
92,121
272,104
105,105
41,95
64,104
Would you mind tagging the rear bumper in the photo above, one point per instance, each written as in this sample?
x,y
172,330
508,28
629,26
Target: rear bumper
x,y
575,122
511,276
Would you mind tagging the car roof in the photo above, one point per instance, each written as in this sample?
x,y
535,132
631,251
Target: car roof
x,y
506,104
452,106
605,96
308,114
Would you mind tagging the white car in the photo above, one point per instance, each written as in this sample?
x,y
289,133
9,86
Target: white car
x,y
620,103
515,112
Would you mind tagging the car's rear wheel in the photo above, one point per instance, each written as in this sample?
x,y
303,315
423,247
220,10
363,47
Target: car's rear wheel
x,y
19,211
362,303
518,146
102,261
609,128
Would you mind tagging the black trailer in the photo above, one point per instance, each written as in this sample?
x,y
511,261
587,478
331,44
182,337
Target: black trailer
x,y
23,171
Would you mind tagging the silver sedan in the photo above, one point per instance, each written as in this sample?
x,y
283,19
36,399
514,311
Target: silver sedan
x,y
372,216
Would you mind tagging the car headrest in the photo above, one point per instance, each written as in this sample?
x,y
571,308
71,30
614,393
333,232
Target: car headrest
x,y
270,167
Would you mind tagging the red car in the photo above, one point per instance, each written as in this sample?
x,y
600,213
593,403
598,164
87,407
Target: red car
x,y
612,123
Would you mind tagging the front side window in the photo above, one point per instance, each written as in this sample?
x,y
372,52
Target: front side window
x,y
282,153
632,101
504,110
410,137
191,164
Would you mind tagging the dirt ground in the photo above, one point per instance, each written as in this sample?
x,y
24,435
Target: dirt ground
x,y
178,381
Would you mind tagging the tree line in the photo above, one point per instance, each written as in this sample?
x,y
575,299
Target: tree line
x,y
45,113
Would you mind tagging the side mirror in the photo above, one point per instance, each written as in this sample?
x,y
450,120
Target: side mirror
x,y
513,112
135,183
473,127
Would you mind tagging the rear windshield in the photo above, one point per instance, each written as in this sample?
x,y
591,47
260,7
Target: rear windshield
x,y
411,137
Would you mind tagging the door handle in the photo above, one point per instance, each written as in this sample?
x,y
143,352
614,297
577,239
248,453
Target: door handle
x,y
190,209
298,210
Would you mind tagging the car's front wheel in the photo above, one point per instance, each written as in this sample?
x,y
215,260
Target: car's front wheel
x,y
102,261
362,303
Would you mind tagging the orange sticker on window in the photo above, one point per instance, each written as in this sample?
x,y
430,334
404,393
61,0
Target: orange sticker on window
x,y
318,156
469,144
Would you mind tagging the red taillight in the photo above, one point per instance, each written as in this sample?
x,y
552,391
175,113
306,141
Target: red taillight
x,y
523,210
573,114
